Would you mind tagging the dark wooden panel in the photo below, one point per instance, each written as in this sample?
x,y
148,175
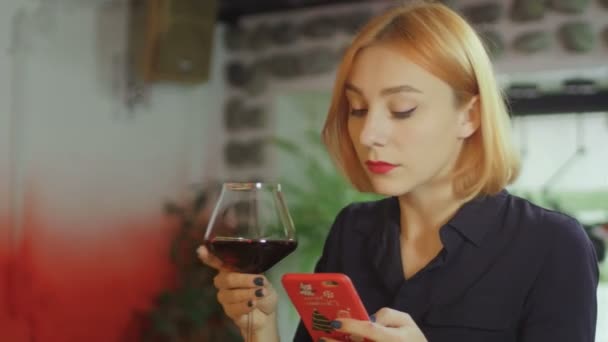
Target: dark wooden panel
x,y
560,103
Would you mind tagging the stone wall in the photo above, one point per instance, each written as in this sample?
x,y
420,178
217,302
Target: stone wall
x,y
538,40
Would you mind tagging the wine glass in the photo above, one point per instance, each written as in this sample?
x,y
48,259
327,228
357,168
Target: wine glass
x,y
250,229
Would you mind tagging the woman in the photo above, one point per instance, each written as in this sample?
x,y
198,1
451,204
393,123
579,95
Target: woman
x,y
449,255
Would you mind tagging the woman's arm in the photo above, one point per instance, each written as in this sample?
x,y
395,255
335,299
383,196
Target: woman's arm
x,y
562,305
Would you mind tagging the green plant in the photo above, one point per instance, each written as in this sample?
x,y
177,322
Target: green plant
x,y
314,203
189,311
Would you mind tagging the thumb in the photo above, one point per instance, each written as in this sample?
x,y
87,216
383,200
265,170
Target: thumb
x,y
209,259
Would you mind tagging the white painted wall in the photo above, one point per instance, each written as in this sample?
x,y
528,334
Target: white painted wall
x,y
80,175
61,103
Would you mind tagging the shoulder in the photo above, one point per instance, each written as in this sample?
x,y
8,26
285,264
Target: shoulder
x,y
558,232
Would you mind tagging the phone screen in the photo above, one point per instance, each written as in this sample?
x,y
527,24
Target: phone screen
x,y
321,298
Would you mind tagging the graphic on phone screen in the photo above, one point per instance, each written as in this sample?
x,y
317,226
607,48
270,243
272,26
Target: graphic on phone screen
x,y
306,290
320,322
343,314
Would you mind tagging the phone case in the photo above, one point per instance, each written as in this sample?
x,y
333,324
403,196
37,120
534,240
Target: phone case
x,y
320,298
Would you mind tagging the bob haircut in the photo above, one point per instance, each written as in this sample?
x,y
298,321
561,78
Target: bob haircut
x,y
443,43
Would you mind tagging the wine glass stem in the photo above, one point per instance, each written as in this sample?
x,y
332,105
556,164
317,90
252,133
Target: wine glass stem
x,y
249,327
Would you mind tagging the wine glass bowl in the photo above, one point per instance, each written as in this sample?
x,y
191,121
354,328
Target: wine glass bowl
x,y
250,229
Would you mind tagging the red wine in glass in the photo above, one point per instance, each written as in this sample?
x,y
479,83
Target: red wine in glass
x,y
250,255
250,229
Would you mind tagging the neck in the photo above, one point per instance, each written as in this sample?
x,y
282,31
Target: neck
x,y
424,211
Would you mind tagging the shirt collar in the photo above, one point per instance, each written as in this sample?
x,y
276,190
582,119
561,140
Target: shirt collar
x,y
472,221
384,244
475,218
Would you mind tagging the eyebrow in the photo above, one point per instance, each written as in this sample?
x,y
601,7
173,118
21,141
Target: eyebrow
x,y
386,91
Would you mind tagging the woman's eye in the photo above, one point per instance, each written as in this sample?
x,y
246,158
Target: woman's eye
x,y
358,112
404,114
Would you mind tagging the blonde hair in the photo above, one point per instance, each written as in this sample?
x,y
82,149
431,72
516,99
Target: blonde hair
x,y
440,41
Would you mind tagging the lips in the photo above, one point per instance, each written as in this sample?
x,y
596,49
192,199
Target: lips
x,y
379,167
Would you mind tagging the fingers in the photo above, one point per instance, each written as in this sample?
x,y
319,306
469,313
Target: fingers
x,y
208,258
238,288
240,295
367,329
258,319
392,318
233,280
386,325
236,310
268,303
261,302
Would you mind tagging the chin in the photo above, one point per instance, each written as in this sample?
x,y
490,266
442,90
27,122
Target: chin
x,y
390,187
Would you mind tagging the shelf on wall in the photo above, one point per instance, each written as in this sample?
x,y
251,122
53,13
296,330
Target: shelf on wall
x,y
559,104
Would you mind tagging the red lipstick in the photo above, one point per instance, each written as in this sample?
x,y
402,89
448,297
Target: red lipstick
x,y
379,167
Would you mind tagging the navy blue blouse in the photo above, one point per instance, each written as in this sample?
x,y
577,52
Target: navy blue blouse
x,y
508,271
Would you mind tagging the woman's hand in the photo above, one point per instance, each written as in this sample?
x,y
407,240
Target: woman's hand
x,y
387,325
240,294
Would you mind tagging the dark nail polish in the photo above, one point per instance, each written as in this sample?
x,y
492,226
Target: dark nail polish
x,y
372,318
259,293
249,303
259,281
336,324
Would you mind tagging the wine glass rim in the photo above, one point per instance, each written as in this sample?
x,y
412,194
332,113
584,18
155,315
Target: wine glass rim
x,y
252,185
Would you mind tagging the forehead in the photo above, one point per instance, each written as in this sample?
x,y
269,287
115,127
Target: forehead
x,y
380,66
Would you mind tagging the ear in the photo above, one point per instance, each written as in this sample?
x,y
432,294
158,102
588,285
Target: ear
x,y
468,118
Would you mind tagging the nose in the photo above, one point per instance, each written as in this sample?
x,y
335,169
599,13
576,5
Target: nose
x,y
375,130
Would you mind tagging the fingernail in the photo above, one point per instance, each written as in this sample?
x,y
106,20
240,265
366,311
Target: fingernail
x,y
321,340
259,293
199,250
372,318
336,324
250,303
259,281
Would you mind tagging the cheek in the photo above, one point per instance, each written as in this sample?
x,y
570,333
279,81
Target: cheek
x,y
412,135
439,125
441,143
426,140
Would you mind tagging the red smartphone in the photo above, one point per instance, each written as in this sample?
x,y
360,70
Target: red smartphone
x,y
321,298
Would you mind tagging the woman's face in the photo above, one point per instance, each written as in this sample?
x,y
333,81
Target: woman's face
x,y
403,121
